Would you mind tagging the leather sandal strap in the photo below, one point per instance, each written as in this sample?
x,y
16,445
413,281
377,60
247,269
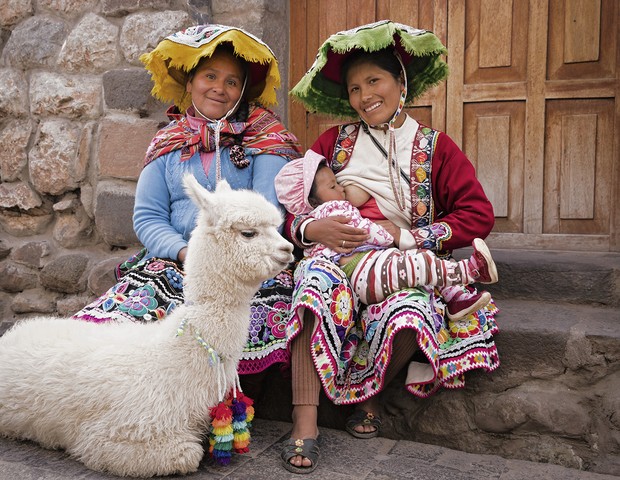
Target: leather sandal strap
x,y
307,447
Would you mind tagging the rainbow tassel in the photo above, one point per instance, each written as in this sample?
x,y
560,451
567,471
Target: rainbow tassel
x,y
249,409
221,433
240,427
230,424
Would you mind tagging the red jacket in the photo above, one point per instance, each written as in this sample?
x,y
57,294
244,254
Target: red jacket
x,y
461,209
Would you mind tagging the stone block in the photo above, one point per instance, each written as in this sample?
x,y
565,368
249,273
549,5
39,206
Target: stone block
x,y
13,149
200,11
74,96
70,8
102,277
58,160
221,7
21,224
122,7
34,301
15,12
114,212
87,197
13,93
65,274
5,250
31,253
589,277
535,408
35,42
579,353
15,277
20,195
200,3
142,32
114,158
91,46
127,89
73,229
248,19
68,306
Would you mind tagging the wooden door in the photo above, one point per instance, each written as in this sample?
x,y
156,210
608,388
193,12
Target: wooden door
x,y
532,99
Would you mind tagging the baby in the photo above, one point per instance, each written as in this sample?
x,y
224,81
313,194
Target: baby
x,y
377,269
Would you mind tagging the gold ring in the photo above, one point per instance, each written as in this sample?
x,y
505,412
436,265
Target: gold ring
x,y
343,242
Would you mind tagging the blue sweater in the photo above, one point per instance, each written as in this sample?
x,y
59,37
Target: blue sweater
x,y
164,216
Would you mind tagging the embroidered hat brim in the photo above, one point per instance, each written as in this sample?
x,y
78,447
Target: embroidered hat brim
x,y
320,89
174,57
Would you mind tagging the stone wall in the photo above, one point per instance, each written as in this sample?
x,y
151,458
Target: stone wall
x,y
76,117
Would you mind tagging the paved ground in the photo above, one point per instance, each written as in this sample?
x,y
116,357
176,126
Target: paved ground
x,y
342,458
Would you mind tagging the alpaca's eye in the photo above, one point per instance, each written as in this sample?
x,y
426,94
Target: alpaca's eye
x,y
249,233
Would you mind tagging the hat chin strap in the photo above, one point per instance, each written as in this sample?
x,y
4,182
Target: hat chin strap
x,y
393,167
403,96
230,112
217,126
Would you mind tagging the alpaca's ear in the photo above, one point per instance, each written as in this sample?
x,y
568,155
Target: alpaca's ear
x,y
222,186
200,195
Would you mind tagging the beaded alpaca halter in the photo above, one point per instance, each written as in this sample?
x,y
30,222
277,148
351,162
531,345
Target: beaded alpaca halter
x,y
214,358
232,416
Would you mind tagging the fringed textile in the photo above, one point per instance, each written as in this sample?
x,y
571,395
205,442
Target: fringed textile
x,y
262,133
175,56
320,88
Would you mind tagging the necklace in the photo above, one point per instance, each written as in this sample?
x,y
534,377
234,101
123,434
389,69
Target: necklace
x,y
394,171
237,154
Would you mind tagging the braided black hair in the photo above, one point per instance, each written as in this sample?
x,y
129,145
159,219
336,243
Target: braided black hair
x,y
237,152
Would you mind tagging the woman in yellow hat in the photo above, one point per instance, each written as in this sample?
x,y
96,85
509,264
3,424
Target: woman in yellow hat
x,y
419,186
219,79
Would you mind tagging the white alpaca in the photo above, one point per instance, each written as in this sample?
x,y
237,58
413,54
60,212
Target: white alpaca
x,y
133,399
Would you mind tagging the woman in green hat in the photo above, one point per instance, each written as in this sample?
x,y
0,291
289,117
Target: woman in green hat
x,y
423,189
219,79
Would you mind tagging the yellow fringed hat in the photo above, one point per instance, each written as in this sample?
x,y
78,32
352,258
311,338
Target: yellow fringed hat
x,y
175,56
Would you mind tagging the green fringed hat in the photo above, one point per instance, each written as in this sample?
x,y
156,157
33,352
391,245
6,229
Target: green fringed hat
x,y
175,56
320,89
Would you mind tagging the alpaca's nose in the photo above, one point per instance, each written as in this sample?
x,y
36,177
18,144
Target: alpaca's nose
x,y
287,247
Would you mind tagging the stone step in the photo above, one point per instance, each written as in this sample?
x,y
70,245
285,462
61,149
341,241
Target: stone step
x,y
553,399
570,277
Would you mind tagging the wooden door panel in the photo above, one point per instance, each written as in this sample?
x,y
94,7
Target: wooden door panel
x,y
578,167
496,41
582,41
417,13
494,140
423,115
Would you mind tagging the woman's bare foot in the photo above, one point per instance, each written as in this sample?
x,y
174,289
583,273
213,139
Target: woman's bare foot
x,y
304,426
370,406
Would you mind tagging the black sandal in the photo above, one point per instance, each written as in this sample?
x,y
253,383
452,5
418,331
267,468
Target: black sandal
x,y
362,418
308,448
